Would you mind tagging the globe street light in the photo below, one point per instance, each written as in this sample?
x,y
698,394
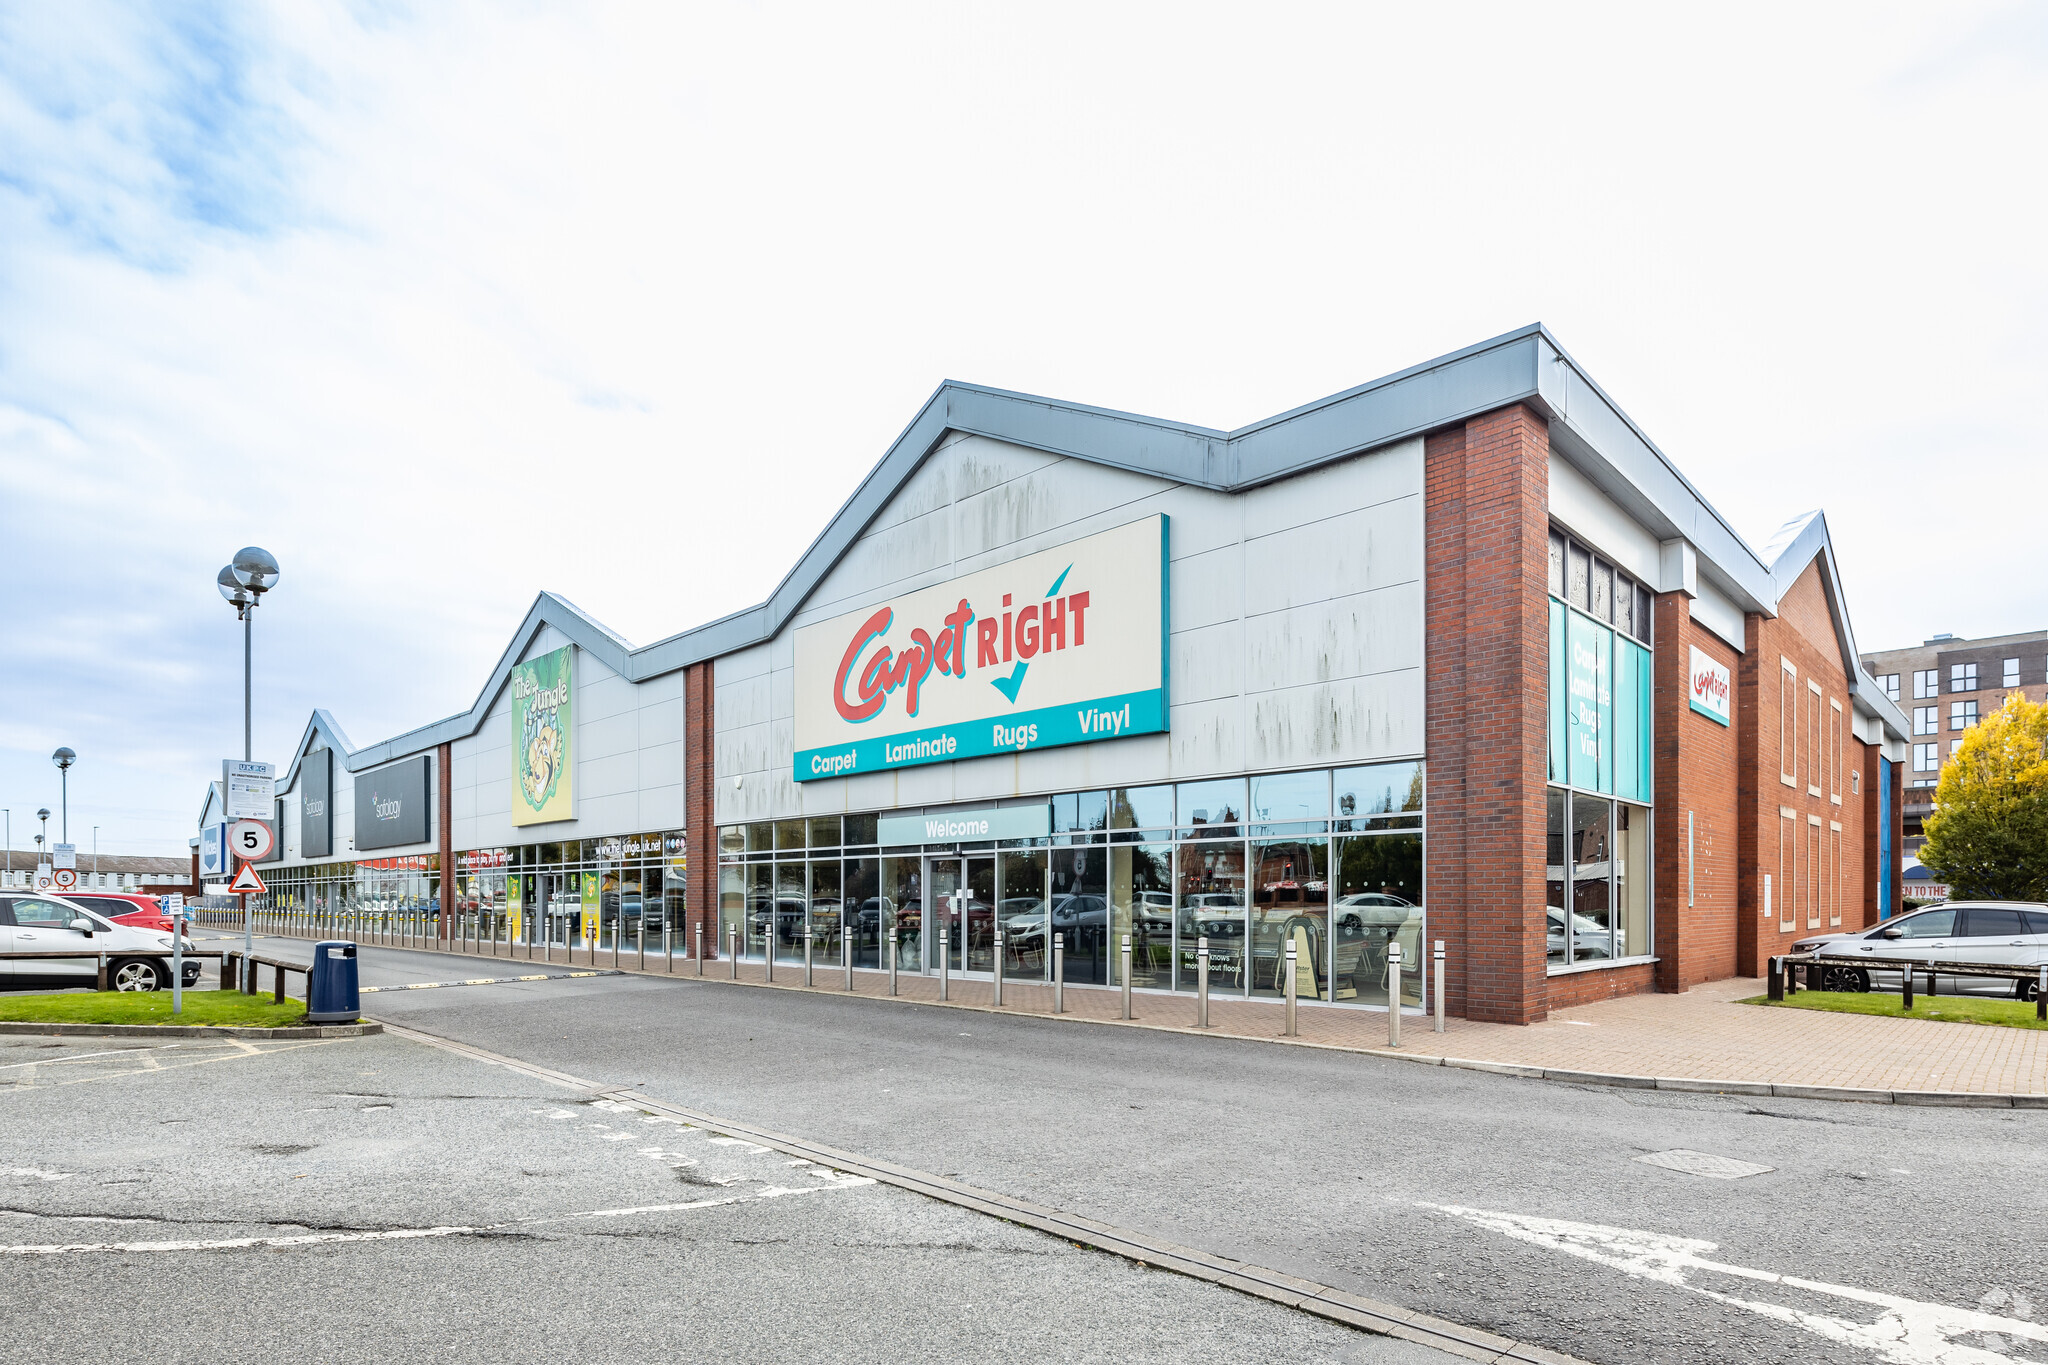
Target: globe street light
x,y
243,582
44,816
250,574
64,758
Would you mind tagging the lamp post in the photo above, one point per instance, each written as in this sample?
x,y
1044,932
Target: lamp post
x,y
95,855
64,758
250,574
44,816
9,810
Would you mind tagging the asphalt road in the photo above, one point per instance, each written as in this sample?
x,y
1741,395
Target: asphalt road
x,y
375,1199
1879,1233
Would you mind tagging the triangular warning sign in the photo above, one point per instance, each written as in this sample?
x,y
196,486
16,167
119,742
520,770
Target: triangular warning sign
x,y
246,882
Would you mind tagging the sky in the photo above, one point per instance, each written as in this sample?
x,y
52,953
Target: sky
x,y
446,305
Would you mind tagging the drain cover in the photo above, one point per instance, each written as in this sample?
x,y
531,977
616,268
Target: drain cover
x,y
1703,1163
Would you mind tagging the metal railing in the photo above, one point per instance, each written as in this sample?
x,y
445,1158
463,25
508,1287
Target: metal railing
x,y
473,932
1782,974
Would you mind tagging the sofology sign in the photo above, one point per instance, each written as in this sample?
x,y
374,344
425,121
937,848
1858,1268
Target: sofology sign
x,y
1064,646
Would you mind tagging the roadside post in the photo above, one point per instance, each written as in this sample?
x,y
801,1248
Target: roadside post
x,y
700,947
1906,991
2041,994
174,906
1774,980
1292,964
1125,955
809,939
1202,982
945,957
245,885
1439,955
998,976
1059,973
732,951
1394,994
846,951
893,932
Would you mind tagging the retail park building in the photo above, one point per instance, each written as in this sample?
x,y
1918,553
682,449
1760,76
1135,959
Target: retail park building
x,y
1456,655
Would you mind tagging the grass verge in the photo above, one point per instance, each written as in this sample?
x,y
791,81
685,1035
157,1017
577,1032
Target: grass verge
x,y
1949,1009
153,1007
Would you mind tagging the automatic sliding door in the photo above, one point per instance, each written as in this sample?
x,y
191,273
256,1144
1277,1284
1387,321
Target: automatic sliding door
x,y
1021,914
942,899
977,915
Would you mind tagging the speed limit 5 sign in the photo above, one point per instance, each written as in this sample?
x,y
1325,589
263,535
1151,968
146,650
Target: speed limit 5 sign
x,y
250,839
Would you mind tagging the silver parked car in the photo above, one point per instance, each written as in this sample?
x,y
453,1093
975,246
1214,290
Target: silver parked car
x,y
2002,933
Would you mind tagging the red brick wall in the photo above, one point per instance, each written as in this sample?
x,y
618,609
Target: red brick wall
x,y
1695,830
699,774
1487,649
1803,633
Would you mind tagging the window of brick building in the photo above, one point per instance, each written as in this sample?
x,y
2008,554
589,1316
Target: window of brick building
x,y
1962,714
1890,683
1927,758
1816,756
1962,677
1926,683
2010,676
1927,720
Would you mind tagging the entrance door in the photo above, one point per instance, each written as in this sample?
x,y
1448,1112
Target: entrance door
x,y
960,905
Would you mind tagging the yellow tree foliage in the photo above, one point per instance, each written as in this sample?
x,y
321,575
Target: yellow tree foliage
x,y
1988,834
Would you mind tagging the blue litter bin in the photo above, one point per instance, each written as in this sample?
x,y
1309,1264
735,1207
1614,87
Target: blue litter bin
x,y
332,996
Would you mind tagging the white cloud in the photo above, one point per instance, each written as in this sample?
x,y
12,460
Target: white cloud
x,y
446,307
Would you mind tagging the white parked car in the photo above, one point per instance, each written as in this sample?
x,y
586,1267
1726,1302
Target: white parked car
x,y
2001,933
51,923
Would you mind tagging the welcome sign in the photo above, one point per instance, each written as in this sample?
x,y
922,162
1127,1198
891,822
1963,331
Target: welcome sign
x,y
543,730
1064,646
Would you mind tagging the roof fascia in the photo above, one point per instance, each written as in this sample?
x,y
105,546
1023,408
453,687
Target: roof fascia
x,y
1813,543
320,723
1524,365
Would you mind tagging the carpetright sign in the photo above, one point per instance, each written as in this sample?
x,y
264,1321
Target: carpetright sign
x,y
1709,683
1064,646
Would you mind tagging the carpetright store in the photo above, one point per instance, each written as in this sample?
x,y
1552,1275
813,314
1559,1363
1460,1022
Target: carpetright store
x,y
1455,655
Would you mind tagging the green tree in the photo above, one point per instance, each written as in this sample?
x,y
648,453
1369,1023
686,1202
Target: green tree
x,y
1988,834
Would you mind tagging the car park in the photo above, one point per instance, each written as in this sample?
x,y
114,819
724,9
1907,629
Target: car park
x,y
1993,933
58,925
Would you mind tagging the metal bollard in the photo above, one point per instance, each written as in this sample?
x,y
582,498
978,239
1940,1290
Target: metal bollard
x,y
103,968
732,952
1125,955
1059,973
1906,991
809,939
998,1001
700,947
1202,982
945,960
1393,995
2041,995
894,936
1439,985
1291,955
768,951
1774,979
846,951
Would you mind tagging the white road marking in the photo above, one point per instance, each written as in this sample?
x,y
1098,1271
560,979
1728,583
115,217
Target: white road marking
x,y
34,1174
1907,1331
81,1056
832,1182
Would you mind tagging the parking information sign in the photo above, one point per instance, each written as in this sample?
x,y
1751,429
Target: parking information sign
x,y
64,855
251,789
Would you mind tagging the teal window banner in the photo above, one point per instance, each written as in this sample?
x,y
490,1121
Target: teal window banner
x,y
967,826
1599,708
1555,710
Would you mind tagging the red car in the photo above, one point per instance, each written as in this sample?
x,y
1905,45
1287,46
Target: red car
x,y
143,912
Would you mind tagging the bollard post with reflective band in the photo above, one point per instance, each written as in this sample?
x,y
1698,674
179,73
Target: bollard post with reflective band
x,y
1059,973
732,951
768,950
809,938
1393,995
2041,994
1290,988
1202,982
1439,954
998,1001
945,959
1124,955
700,947
846,951
893,942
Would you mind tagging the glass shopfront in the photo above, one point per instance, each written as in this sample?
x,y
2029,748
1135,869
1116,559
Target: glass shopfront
x,y
1597,906
621,900
1327,861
